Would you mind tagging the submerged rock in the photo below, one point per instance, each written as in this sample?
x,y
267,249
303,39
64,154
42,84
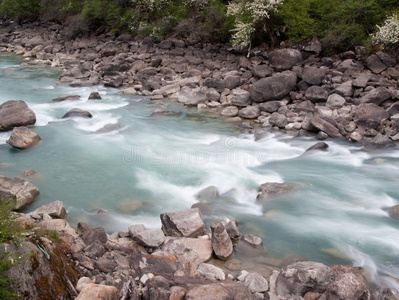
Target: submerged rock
x,y
275,188
24,191
77,112
95,96
319,146
54,209
23,138
66,98
15,113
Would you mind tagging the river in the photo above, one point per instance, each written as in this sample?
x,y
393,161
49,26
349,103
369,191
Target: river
x,y
134,167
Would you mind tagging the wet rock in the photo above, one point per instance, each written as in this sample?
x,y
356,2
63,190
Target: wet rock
x,y
23,138
230,111
394,212
302,277
208,193
317,147
249,112
316,94
211,272
374,63
370,115
378,142
221,242
88,290
77,112
186,223
66,98
253,241
285,59
15,113
326,127
313,75
152,238
54,209
278,120
274,87
231,227
24,191
95,96
275,188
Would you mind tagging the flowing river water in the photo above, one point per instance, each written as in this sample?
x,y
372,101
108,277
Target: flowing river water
x,y
135,167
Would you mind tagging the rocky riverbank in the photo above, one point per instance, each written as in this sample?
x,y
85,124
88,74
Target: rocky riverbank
x,y
183,260
349,96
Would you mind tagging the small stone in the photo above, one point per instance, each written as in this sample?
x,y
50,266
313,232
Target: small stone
x,y
254,241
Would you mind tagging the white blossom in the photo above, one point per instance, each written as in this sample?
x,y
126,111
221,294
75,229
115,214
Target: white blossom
x,y
387,34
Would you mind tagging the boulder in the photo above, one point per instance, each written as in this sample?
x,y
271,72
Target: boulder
x,y
285,59
242,99
91,234
347,287
278,120
88,290
361,80
211,272
270,106
66,98
187,250
219,291
346,89
318,146
374,63
302,277
274,87
326,127
186,223
215,83
387,59
54,209
252,240
316,94
232,230
256,283
230,111
249,112
77,112
15,113
152,238
335,101
232,81
394,212
370,116
379,95
221,242
313,75
24,191
275,188
261,71
95,96
210,192
109,49
23,138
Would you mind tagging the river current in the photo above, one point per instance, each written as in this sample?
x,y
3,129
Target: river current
x,y
134,167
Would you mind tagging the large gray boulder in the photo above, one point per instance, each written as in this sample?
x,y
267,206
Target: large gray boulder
x,y
285,59
302,277
23,138
274,87
249,112
221,242
211,272
374,63
261,71
316,94
186,223
370,115
347,286
15,113
313,75
24,191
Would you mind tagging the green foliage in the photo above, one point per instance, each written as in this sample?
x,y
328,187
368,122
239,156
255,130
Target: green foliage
x,y
98,13
21,9
10,229
6,292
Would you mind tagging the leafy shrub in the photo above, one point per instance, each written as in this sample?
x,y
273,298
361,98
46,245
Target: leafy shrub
x,y
21,9
387,34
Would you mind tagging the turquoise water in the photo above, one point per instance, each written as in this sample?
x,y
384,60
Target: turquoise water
x,y
135,167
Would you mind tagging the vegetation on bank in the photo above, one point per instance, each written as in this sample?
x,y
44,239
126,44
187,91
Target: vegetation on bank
x,y
340,24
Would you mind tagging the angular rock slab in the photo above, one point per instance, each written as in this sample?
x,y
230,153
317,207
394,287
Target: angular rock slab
x,y
183,223
152,238
24,191
88,290
221,242
211,272
23,138
54,209
15,113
